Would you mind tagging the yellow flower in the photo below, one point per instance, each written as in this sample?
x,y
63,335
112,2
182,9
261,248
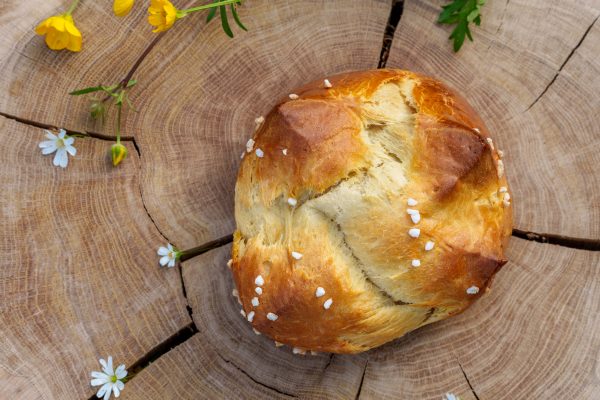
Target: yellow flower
x,y
118,153
162,15
122,7
60,33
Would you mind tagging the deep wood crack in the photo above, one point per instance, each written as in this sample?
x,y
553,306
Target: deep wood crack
x,y
467,379
388,35
565,241
254,380
43,125
158,351
362,380
563,64
329,361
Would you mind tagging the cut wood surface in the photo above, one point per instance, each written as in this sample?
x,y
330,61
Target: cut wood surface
x,y
533,74
80,280
78,277
35,81
200,99
534,336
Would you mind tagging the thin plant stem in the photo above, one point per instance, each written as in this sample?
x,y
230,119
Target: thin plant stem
x,y
72,7
119,107
207,6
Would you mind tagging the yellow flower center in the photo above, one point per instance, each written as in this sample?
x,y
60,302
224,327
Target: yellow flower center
x,y
113,379
60,143
171,254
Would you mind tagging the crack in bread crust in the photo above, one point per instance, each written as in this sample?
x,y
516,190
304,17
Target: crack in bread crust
x,y
358,263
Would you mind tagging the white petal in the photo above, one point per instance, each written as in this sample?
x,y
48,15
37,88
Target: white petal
x,y
47,143
116,390
96,374
120,372
62,133
64,158
109,367
102,362
108,392
120,384
49,149
50,135
164,260
162,251
56,160
172,263
71,150
170,246
99,381
69,141
106,387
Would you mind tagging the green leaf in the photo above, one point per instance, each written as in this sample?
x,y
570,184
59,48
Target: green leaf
x,y
131,83
469,34
87,90
211,14
237,18
224,21
461,13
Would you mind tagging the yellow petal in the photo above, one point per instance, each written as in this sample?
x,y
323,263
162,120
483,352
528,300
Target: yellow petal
x,y
57,40
42,28
122,7
71,28
155,19
74,43
58,23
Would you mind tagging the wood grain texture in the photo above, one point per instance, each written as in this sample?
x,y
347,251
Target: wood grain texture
x,y
226,341
535,336
35,80
199,101
79,277
193,370
532,74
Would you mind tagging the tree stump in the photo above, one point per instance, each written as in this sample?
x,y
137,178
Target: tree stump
x,y
80,279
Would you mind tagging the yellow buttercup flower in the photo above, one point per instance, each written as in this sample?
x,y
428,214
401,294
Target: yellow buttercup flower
x,y
61,33
118,153
162,15
122,7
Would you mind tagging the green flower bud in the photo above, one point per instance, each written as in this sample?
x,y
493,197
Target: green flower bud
x,y
98,110
118,152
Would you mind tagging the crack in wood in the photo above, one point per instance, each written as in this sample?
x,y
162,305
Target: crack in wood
x,y
254,380
467,379
203,248
563,64
86,134
158,351
329,361
362,380
559,240
390,28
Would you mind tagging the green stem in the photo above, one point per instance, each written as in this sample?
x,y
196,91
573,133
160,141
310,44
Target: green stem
x,y
119,106
207,6
72,7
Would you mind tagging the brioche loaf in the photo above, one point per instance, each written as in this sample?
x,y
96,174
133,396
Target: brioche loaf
x,y
368,205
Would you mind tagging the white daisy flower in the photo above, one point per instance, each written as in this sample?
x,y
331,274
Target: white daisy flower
x,y
60,144
109,380
169,255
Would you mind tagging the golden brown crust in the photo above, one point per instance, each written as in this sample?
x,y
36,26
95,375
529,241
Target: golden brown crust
x,y
354,154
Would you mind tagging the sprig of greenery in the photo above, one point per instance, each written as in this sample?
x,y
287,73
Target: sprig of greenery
x,y
461,13
224,19
118,93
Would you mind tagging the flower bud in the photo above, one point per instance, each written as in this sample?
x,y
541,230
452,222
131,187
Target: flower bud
x,y
97,109
118,152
